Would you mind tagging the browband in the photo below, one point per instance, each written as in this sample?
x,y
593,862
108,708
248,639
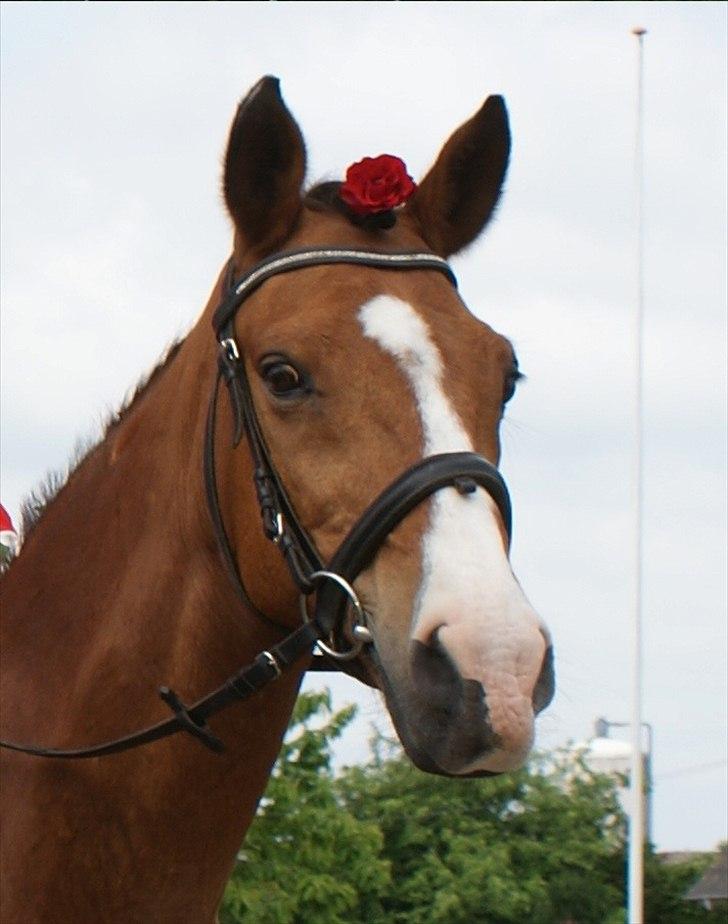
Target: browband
x,y
295,259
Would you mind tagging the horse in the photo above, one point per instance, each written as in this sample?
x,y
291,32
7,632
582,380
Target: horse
x,y
321,472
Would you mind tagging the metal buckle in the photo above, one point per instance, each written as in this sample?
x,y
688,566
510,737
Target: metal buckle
x,y
279,529
230,348
272,662
359,630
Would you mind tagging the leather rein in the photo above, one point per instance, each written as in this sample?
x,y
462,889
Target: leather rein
x,y
335,598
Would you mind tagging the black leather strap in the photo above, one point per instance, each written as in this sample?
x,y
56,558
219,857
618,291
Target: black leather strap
x,y
272,496
297,259
267,666
460,470
213,505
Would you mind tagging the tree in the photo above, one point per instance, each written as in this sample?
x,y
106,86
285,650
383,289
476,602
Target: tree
x,y
665,888
387,844
306,859
539,845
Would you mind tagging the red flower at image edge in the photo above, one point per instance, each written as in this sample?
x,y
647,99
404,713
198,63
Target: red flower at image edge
x,y
8,537
376,184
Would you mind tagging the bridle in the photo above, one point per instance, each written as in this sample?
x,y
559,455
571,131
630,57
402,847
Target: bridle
x,y
332,582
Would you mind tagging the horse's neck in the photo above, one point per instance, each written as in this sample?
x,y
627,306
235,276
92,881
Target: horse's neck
x,y
120,553
119,588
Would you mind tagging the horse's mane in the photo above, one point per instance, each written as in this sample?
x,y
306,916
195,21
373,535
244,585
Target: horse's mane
x,y
37,501
324,197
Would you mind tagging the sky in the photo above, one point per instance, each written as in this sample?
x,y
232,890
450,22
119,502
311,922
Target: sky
x,y
114,120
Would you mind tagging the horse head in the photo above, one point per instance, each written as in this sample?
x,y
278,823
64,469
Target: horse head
x,y
358,373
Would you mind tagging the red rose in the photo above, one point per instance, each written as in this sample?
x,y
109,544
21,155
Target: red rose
x,y
376,184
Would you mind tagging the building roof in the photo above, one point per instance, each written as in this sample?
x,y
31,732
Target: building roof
x,y
676,857
713,884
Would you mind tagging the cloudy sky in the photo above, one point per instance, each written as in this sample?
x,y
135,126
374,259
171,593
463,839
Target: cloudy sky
x,y
114,118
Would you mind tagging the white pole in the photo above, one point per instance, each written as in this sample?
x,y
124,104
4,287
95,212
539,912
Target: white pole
x,y
635,866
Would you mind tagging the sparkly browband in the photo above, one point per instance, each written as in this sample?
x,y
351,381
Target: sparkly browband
x,y
296,259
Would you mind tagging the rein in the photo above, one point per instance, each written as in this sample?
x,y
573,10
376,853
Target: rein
x,y
332,583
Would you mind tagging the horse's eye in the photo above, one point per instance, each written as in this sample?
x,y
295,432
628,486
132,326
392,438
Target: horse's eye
x,y
509,387
282,379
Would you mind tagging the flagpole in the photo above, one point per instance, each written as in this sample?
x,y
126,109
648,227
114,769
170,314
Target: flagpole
x,y
636,831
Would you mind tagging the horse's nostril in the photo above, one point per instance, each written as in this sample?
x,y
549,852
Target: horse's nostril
x,y
433,669
543,691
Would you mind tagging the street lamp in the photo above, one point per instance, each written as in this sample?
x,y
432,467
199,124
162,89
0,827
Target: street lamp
x,y
601,730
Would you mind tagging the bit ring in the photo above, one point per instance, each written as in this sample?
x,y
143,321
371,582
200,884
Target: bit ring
x,y
360,617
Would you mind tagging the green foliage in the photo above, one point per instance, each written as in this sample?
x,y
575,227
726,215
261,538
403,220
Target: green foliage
x,y
387,844
539,845
306,859
665,887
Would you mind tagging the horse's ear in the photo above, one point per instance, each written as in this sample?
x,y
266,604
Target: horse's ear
x,y
265,164
454,202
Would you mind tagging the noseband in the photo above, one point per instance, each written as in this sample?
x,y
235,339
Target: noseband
x,y
331,582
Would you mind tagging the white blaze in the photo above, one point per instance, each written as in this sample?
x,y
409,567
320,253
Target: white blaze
x,y
468,594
